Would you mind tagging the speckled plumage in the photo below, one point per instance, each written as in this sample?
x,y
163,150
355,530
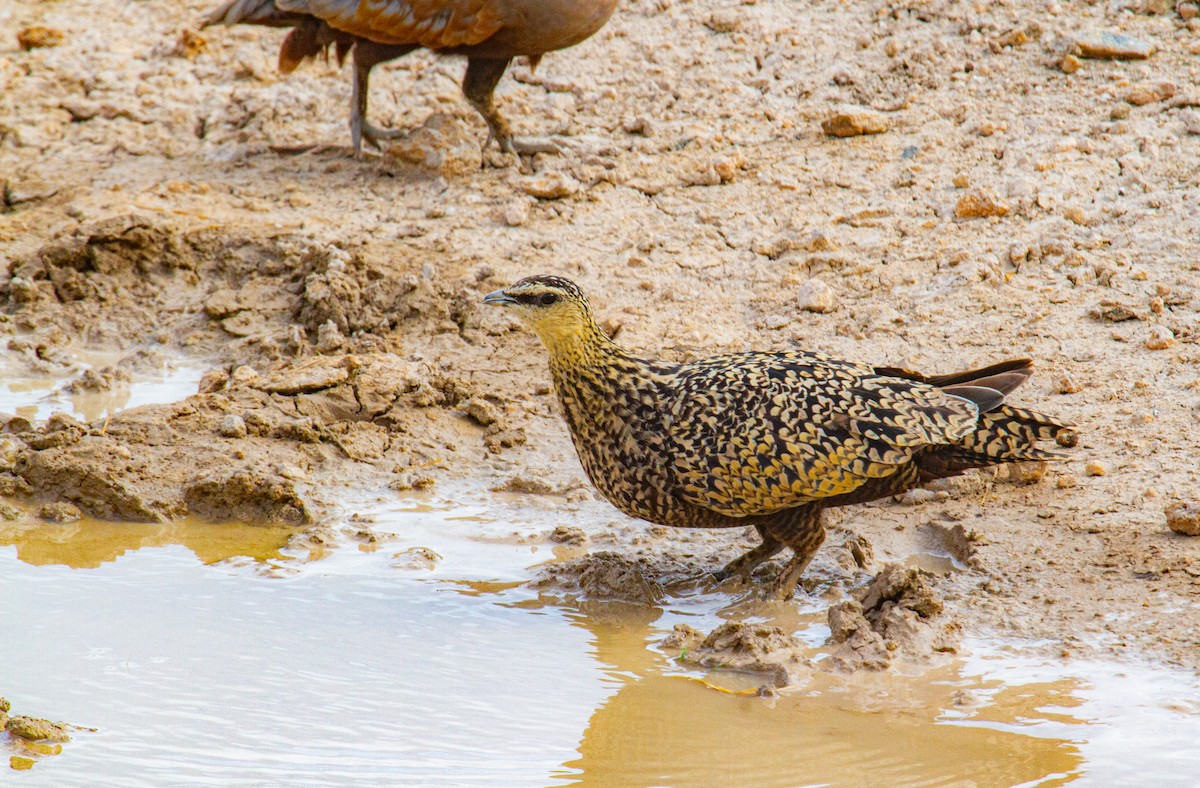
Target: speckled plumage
x,y
765,439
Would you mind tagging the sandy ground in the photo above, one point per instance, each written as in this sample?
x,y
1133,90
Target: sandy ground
x,y
161,196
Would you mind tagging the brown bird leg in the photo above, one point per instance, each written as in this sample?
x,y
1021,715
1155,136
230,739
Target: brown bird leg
x,y
804,533
367,55
479,84
745,564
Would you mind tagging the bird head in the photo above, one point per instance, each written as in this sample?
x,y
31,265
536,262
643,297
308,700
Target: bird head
x,y
555,308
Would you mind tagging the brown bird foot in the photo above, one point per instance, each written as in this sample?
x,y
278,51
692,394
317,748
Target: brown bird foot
x,y
786,585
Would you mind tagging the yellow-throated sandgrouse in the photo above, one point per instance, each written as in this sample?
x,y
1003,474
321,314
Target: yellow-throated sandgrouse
x,y
765,439
490,33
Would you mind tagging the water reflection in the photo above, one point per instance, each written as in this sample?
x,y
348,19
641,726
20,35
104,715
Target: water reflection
x,y
89,543
660,729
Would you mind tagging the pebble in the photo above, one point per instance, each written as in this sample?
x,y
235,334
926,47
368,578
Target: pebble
x,y
853,122
1188,11
725,20
1191,121
480,410
442,145
1095,468
516,213
1103,45
1070,64
1183,517
816,296
1149,92
10,449
551,186
232,426
1067,384
1160,338
39,37
980,203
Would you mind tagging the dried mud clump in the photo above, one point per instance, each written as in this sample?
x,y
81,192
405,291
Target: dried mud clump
x,y
895,616
248,497
1183,517
607,576
747,648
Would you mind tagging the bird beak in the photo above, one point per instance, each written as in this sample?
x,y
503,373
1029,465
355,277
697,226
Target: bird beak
x,y
499,297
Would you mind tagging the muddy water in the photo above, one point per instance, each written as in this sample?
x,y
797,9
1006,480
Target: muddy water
x,y
34,395
213,654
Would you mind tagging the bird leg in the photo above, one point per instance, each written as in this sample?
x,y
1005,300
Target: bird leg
x,y
367,55
744,565
479,85
804,534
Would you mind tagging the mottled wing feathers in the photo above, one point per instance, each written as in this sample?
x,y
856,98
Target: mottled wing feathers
x,y
435,24
757,433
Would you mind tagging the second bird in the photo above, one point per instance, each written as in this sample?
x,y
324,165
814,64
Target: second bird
x,y
490,33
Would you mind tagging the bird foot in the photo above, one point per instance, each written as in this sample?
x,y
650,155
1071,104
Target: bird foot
x,y
362,131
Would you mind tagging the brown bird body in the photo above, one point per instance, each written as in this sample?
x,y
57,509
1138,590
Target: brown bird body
x,y
490,33
765,439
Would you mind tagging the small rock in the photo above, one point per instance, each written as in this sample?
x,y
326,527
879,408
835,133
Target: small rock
x,y
1187,11
1021,473
212,381
1066,481
10,449
1095,468
1160,338
35,729
1103,45
416,558
566,534
1183,517
551,186
232,426
725,20
728,167
961,181
191,44
20,763
1119,112
980,203
1191,121
816,296
1070,64
39,37
853,122
1067,384
443,146
10,513
1149,92
516,213
480,411
60,512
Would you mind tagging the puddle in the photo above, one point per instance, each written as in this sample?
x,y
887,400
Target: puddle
x,y
212,654
34,389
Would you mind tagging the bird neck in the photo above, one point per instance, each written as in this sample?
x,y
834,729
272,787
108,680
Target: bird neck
x,y
578,346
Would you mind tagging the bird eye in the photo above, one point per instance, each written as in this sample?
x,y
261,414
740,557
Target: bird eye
x,y
547,299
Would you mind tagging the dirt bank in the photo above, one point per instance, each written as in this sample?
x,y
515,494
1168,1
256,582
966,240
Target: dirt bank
x,y
1021,199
